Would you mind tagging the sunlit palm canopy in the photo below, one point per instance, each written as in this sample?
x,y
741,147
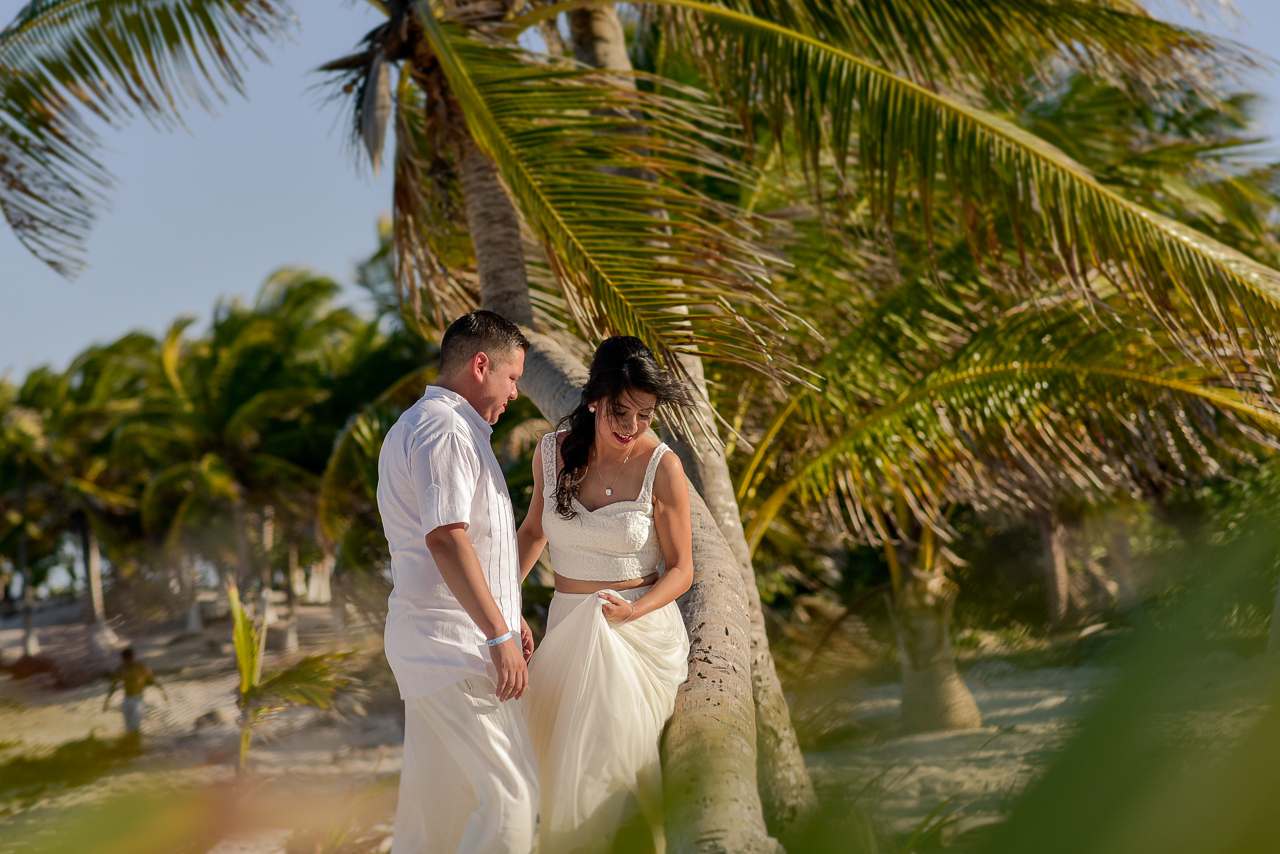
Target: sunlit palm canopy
x,y
1038,402
878,89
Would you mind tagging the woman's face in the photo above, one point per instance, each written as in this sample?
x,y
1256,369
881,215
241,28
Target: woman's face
x,y
620,422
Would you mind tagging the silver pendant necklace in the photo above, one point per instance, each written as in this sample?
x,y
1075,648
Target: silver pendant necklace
x,y
608,490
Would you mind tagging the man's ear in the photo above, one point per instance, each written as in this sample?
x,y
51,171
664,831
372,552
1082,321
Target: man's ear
x,y
481,364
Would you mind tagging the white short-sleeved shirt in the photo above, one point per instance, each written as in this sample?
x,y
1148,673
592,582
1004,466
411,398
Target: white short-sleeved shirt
x,y
437,468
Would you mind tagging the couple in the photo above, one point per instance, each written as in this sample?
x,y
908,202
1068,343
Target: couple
x,y
581,744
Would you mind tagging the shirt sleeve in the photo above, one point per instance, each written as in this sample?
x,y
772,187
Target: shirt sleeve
x,y
446,475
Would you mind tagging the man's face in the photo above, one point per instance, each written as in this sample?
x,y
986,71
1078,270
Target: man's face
x,y
497,383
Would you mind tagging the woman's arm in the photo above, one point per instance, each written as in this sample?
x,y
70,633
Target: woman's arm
x,y
530,537
675,535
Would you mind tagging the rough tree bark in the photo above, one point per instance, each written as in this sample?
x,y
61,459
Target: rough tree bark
x,y
494,227
785,786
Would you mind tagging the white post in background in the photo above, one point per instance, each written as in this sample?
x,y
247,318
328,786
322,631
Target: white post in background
x,y
269,616
319,590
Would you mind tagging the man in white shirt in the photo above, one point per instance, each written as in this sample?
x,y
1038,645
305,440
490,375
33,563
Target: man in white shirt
x,y
455,638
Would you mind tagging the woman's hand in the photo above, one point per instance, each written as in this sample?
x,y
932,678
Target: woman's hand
x,y
615,608
526,640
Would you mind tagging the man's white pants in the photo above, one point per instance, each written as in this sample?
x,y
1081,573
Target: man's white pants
x,y
469,782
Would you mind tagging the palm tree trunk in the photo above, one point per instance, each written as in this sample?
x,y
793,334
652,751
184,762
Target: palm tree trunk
x,y
934,697
30,643
1056,581
269,616
494,227
92,571
786,789
291,632
319,588
709,749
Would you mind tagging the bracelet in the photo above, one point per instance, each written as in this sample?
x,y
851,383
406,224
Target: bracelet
x,y
501,638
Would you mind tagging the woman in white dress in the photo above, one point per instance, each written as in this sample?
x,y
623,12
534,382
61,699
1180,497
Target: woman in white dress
x,y
613,507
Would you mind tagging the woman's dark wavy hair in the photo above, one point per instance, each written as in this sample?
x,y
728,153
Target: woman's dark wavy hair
x,y
621,364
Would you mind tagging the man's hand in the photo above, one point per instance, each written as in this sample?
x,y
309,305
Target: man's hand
x,y
513,673
526,640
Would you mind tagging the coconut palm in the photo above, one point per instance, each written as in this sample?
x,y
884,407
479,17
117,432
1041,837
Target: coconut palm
x,y
1016,409
218,430
610,179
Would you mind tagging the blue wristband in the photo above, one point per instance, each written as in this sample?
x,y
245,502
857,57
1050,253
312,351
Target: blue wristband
x,y
501,639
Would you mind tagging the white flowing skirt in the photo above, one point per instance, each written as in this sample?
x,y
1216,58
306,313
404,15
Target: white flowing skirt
x,y
599,695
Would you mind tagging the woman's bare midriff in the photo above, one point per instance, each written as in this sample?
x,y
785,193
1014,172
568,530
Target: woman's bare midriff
x,y
577,585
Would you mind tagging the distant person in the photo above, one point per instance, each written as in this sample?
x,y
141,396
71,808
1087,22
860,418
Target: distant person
x,y
135,676
454,638
604,681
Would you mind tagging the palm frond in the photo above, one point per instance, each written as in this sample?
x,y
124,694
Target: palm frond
x,y
1029,207
431,248
1032,407
313,681
113,60
351,473
998,42
244,426
245,639
604,175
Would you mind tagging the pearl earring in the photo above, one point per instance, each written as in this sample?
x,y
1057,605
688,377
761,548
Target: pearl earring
x,y
591,409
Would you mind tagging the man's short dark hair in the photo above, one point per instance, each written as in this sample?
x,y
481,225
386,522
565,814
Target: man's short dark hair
x,y
127,653
479,331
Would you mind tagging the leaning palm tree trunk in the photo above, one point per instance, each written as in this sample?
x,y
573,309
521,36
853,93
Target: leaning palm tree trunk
x,y
785,787
710,751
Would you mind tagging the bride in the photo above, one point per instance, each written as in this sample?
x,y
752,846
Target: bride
x,y
613,507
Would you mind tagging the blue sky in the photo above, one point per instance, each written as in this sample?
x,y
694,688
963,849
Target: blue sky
x,y
267,183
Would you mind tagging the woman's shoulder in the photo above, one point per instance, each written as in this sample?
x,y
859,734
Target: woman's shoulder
x,y
670,473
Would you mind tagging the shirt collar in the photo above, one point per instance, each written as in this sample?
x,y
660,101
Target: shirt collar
x,y
462,405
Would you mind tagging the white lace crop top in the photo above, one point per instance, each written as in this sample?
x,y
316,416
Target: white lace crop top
x,y
616,542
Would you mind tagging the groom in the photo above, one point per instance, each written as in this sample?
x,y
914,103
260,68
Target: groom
x,y
454,637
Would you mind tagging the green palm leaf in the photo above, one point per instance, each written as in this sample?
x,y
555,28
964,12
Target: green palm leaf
x,y
581,166
351,474
245,425
1033,406
113,59
247,644
835,101
997,42
313,681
